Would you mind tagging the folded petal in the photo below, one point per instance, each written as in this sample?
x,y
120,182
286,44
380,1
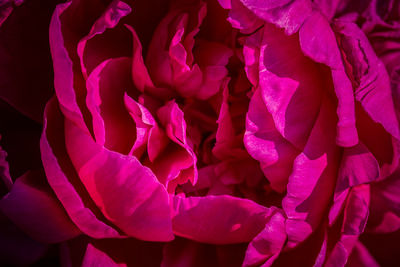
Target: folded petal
x,y
312,181
265,144
127,193
64,180
92,53
318,41
106,86
355,219
372,86
172,118
291,85
266,246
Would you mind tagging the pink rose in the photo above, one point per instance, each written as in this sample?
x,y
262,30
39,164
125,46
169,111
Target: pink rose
x,y
203,133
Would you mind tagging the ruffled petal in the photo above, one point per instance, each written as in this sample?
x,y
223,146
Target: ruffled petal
x,y
370,78
127,193
88,53
64,180
183,161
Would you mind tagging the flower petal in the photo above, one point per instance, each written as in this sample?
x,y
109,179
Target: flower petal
x,y
127,193
32,207
217,219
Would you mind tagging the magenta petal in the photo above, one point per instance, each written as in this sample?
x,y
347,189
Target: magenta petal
x,y
172,118
109,19
217,219
35,209
96,257
360,257
106,86
140,75
147,131
265,144
370,78
355,219
292,94
63,69
385,205
240,17
286,14
61,176
266,246
127,193
358,166
318,41
313,178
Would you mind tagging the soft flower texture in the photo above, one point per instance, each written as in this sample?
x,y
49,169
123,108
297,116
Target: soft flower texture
x,y
200,133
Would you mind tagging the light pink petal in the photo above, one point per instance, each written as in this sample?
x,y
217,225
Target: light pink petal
x,y
266,246
127,193
89,57
64,181
370,78
217,219
265,144
312,181
32,206
318,41
106,86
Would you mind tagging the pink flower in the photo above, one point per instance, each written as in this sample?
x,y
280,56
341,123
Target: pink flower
x,y
208,133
